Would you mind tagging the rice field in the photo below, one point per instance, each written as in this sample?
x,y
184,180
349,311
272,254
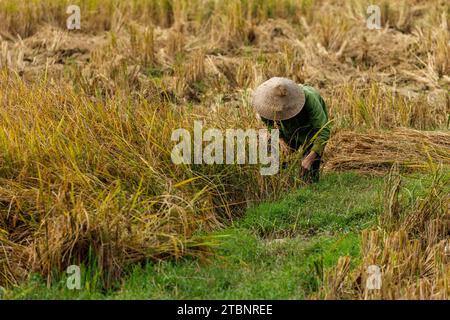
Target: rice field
x,y
86,118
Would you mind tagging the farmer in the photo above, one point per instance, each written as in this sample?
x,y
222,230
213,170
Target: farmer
x,y
300,114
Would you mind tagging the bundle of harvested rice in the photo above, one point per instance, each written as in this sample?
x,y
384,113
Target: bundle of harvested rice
x,y
376,151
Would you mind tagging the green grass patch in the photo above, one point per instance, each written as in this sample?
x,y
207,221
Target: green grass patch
x,y
339,203
278,250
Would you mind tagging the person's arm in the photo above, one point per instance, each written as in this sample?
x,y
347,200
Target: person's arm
x,y
320,122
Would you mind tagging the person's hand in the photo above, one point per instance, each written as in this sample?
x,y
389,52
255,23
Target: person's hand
x,y
308,160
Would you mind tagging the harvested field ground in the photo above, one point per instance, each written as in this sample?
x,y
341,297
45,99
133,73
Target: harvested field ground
x,y
86,118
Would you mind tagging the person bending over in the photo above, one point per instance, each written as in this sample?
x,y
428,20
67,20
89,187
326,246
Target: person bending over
x,y
301,115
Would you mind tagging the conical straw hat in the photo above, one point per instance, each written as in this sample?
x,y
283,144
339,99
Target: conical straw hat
x,y
278,99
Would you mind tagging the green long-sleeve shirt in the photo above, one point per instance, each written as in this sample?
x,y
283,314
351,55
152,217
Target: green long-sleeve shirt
x,y
310,128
